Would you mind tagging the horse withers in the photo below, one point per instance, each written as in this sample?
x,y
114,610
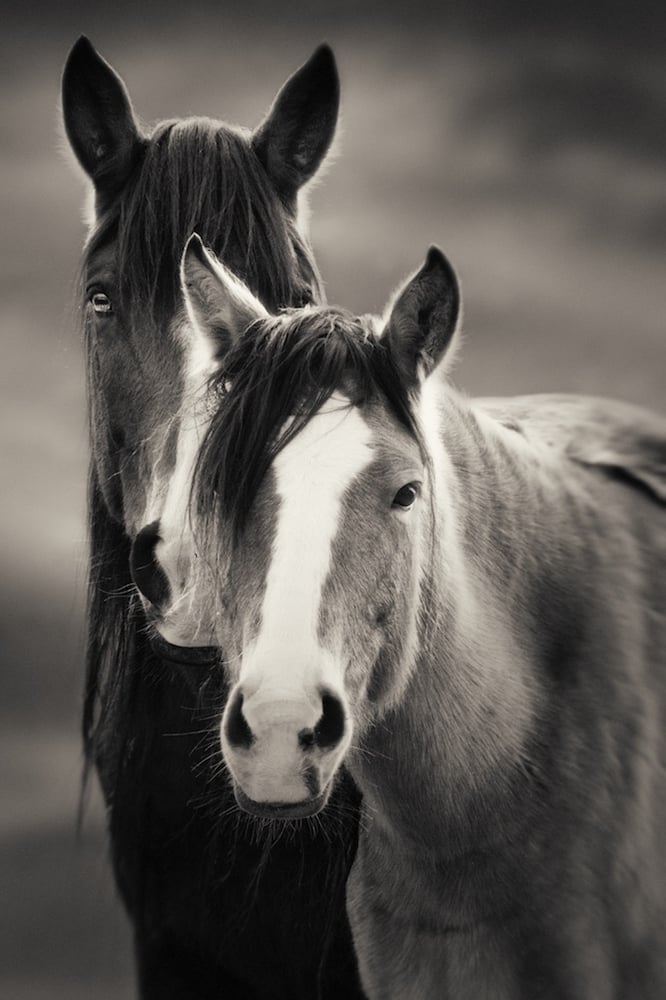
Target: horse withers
x,y
218,908
464,602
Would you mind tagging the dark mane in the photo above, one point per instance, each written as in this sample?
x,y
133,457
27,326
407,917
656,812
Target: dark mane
x,y
200,175
286,366
113,615
193,175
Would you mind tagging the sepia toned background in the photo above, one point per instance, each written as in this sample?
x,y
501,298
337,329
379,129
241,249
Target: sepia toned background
x,y
529,147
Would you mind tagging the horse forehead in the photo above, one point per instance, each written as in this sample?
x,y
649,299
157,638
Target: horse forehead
x,y
310,477
329,452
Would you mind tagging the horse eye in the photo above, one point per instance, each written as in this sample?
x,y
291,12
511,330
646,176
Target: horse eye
x,y
101,303
405,497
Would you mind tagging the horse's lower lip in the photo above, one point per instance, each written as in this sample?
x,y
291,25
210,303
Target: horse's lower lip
x,y
186,655
280,810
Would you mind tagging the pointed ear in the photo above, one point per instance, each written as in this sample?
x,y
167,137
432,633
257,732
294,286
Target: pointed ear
x,y
219,305
423,319
293,139
99,120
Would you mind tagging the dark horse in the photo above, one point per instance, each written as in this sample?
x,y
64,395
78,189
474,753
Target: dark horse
x,y
221,907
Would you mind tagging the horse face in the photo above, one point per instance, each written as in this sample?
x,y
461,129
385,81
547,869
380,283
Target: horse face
x,y
321,591
133,403
239,190
320,564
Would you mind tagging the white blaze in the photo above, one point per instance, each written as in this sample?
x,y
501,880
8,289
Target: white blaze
x,y
312,475
169,502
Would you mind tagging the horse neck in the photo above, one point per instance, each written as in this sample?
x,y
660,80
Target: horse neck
x,y
469,712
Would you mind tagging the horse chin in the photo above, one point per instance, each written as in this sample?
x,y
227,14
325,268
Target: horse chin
x,y
281,810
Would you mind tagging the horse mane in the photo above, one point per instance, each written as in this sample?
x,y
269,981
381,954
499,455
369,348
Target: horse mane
x,y
272,382
193,175
113,613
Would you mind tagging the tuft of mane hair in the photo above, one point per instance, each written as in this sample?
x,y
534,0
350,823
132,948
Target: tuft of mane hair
x,y
272,382
201,175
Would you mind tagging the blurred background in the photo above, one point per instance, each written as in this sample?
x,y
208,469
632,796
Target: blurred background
x,y
529,145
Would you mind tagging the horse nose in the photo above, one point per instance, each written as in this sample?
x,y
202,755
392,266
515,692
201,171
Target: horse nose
x,y
283,745
147,574
322,731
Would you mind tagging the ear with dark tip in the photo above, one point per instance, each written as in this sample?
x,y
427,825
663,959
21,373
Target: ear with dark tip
x,y
99,119
294,137
220,306
423,318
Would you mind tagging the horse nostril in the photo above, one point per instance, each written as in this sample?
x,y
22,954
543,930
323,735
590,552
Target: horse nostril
x,y
306,738
236,729
331,726
146,572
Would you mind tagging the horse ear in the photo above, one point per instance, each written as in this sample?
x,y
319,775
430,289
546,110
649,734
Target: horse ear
x,y
423,318
294,137
99,119
219,305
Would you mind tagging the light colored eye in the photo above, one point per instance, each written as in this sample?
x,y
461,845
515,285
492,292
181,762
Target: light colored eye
x,y
101,303
405,497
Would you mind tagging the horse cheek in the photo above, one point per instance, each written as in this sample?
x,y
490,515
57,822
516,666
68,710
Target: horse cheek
x,y
384,626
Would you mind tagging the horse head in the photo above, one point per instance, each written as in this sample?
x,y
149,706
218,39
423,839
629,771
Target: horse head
x,y
310,516
239,188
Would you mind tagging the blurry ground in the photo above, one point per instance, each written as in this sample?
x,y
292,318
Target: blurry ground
x,y
531,151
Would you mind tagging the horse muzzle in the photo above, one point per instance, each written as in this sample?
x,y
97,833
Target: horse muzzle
x,y
284,751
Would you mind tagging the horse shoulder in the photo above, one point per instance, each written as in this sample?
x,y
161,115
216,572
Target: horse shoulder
x,y
623,440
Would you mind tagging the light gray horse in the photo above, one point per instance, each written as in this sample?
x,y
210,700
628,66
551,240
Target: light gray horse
x,y
462,600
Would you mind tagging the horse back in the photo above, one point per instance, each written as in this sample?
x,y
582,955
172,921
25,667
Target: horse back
x,y
619,438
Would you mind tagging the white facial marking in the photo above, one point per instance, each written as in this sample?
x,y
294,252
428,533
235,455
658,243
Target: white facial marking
x,y
312,473
174,517
169,502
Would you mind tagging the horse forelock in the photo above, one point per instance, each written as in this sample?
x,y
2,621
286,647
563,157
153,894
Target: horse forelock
x,y
199,175
271,384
